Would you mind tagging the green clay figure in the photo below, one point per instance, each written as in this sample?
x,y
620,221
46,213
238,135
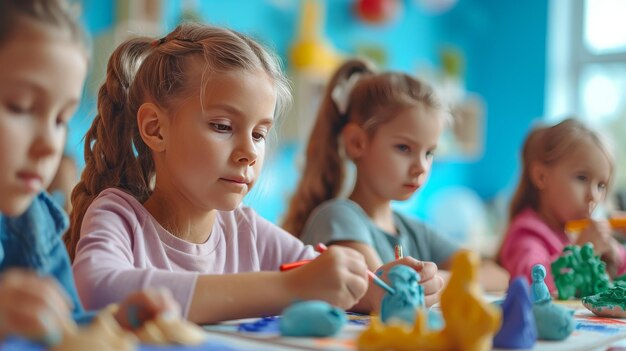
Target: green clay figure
x,y
610,303
579,273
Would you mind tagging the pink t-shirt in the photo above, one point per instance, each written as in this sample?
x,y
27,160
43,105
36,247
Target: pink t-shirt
x,y
123,249
529,240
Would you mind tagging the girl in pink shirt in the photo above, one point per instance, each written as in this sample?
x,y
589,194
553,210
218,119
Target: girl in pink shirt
x,y
566,173
179,140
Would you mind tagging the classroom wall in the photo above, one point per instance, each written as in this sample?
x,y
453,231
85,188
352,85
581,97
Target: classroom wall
x,y
504,47
505,43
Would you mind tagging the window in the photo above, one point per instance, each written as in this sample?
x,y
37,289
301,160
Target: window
x,y
586,69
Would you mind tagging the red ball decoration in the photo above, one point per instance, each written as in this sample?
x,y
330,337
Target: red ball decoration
x,y
376,11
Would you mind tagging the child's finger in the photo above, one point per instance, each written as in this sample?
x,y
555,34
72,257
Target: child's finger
x,y
426,269
433,285
142,306
166,303
432,299
357,286
39,293
34,322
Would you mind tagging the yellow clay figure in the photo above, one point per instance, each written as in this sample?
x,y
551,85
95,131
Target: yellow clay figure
x,y
400,337
470,322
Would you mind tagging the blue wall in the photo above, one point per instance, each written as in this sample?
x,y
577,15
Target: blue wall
x,y
505,44
504,47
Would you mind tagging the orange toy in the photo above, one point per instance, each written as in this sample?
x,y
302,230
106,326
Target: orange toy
x,y
578,225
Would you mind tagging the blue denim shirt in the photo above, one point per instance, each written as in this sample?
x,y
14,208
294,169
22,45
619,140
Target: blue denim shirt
x,y
33,240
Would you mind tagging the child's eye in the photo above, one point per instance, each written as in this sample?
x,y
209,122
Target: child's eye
x,y
582,178
18,109
258,136
403,148
430,154
602,187
221,128
63,120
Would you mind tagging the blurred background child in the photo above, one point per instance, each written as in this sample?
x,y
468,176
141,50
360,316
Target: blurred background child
x,y
388,124
43,63
566,173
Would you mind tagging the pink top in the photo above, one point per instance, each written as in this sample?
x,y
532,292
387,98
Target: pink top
x,y
123,249
529,240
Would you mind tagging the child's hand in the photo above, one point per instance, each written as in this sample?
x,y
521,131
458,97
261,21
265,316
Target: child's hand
x,y
429,280
144,306
33,307
597,232
338,276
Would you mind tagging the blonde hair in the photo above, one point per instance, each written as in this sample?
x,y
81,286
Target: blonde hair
x,y
54,13
548,145
375,99
143,69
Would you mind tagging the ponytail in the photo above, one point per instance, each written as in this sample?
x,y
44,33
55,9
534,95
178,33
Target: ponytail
x,y
141,70
324,171
111,142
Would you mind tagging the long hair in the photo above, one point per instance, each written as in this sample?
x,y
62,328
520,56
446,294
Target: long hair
x,y
143,69
548,145
375,99
53,13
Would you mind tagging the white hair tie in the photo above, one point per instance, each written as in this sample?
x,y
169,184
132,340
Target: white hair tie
x,y
341,92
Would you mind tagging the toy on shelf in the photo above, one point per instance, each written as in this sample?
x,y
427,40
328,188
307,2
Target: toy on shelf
x,y
470,322
579,273
377,11
609,303
408,296
311,52
518,330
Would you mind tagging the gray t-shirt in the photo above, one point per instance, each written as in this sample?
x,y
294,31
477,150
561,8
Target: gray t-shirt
x,y
345,220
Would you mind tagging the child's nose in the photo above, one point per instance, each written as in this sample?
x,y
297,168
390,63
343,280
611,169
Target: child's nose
x,y
418,167
594,194
246,152
46,141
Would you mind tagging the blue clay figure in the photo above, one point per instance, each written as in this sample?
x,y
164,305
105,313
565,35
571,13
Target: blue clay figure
x,y
409,296
554,322
312,319
518,330
539,291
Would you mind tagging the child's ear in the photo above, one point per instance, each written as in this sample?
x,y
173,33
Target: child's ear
x,y
538,172
152,127
354,140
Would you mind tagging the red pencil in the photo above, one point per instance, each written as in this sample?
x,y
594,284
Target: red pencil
x,y
292,265
287,266
321,248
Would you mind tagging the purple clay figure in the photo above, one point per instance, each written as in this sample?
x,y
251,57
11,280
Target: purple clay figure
x,y
539,291
518,330
409,296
